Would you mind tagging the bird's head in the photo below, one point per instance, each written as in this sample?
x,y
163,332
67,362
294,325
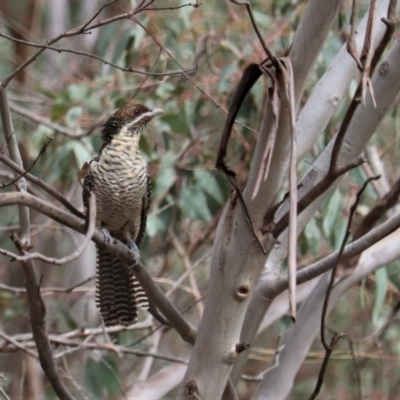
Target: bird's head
x,y
129,120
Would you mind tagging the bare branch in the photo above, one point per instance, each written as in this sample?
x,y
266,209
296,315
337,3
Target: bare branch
x,y
336,337
96,57
32,116
18,345
327,263
43,185
61,261
249,9
73,32
292,244
41,152
183,327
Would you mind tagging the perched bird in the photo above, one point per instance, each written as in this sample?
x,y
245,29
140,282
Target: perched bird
x,y
120,181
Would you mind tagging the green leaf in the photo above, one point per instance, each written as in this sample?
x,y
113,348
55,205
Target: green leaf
x,y
176,122
165,89
80,152
185,14
207,181
77,93
104,372
72,116
380,294
333,210
193,202
262,19
166,176
93,103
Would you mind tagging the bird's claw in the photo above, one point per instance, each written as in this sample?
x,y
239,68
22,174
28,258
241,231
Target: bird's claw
x,y
107,236
134,251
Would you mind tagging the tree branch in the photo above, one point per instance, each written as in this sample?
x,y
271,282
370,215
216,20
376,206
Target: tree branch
x,y
183,327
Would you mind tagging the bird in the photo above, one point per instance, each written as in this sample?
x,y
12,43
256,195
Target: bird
x,y
120,180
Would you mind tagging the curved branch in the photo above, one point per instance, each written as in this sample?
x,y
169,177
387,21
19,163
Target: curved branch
x,y
94,56
37,310
75,254
115,247
43,185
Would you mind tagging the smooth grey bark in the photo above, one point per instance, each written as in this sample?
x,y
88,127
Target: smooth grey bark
x,y
237,259
386,85
159,385
319,109
279,381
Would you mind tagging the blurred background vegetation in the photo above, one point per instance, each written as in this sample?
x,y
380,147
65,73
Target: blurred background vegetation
x,y
68,96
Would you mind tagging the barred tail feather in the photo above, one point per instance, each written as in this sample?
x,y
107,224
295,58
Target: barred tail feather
x,y
118,293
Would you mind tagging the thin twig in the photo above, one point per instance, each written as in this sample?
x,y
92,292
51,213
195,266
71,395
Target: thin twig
x,y
61,261
96,14
115,247
41,152
249,9
73,32
96,57
329,347
46,290
189,269
33,116
43,185
177,283
37,310
367,53
18,345
278,227
351,42
3,392
339,256
336,337
194,5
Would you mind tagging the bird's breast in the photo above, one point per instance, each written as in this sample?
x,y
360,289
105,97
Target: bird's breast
x,y
120,183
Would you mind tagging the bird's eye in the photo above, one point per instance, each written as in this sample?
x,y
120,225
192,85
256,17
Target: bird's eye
x,y
137,111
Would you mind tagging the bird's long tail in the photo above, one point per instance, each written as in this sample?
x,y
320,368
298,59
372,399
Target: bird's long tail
x,y
118,293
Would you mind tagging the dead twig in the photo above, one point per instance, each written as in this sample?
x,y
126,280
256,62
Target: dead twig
x,y
43,185
336,337
95,57
61,261
73,32
174,317
33,116
37,310
41,152
249,9
287,70
189,269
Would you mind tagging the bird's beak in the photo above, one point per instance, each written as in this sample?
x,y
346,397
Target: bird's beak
x,y
156,111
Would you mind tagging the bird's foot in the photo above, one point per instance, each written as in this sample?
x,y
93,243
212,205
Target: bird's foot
x,y
134,250
107,236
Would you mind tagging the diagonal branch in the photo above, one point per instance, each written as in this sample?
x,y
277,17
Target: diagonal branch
x,y
61,261
95,57
73,32
43,185
23,174
115,247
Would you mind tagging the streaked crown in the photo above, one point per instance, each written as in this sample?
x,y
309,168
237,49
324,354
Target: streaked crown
x,y
132,116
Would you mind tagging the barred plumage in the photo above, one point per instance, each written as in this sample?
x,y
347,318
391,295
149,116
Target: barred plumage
x,y
120,180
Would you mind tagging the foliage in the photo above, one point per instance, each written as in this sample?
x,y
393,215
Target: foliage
x,y
213,43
